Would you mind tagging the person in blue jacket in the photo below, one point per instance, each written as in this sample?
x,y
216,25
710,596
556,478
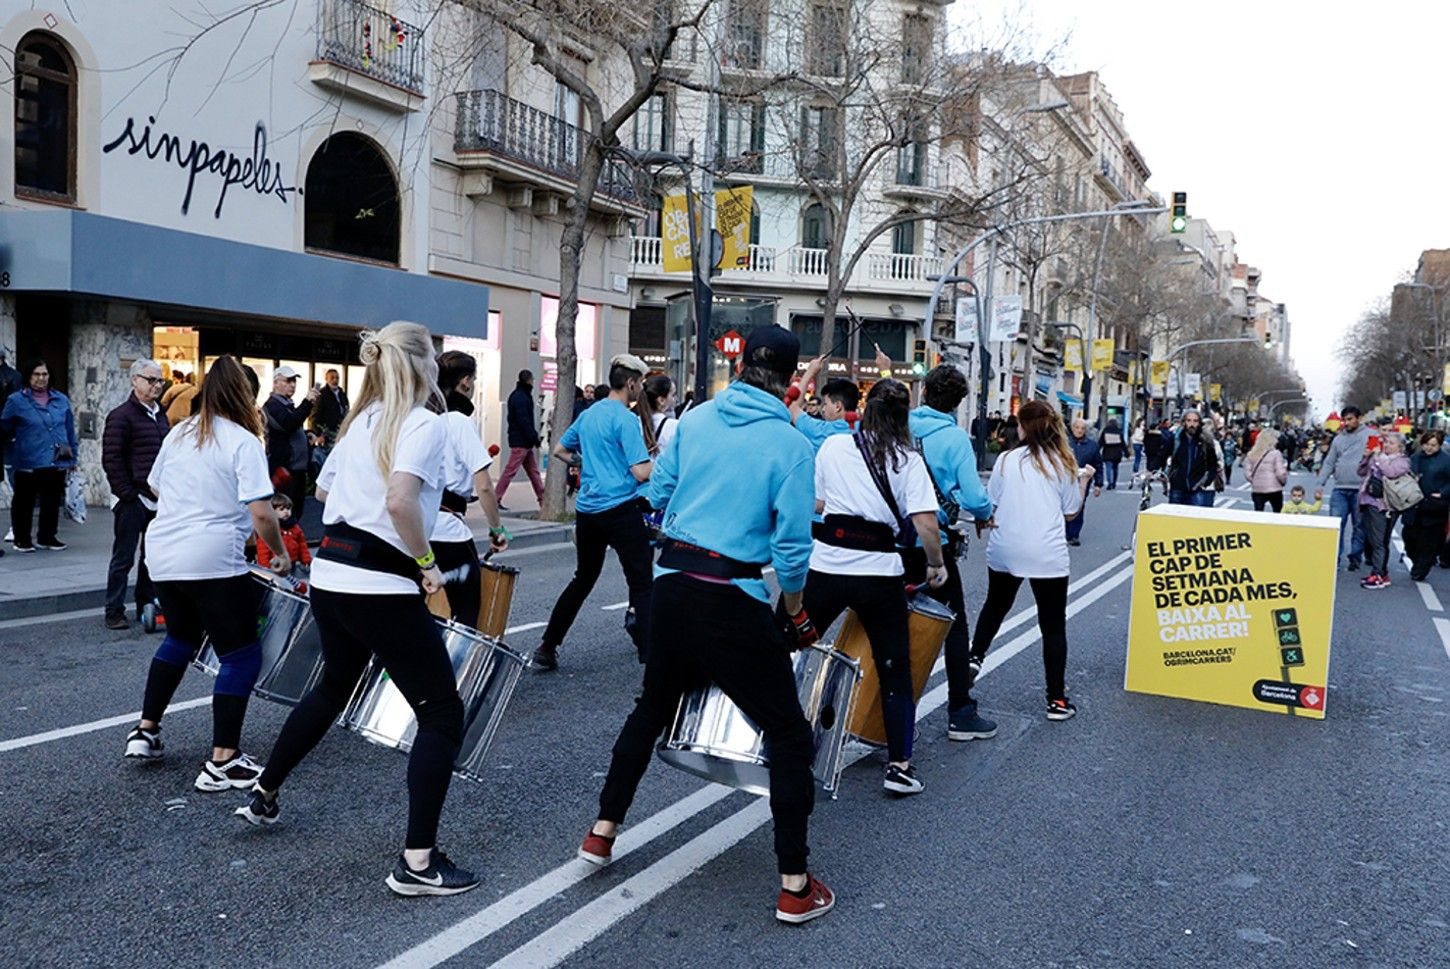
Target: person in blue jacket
x,y
839,397
953,465
38,429
1088,454
736,483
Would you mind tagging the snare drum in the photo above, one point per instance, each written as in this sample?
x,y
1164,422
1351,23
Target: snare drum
x,y
291,649
928,622
711,738
486,672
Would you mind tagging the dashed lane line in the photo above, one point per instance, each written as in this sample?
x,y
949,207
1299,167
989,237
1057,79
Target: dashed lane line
x,y
1442,626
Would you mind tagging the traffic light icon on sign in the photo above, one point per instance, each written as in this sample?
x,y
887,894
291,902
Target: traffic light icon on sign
x,y
1286,617
1179,215
1292,655
1286,626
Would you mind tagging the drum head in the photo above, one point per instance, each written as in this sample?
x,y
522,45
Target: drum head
x,y
928,606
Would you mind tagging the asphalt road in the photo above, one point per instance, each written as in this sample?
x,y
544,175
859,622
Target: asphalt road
x,y
1145,832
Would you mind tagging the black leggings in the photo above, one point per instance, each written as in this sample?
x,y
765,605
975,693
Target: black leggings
x,y
1274,499
224,611
622,529
465,595
879,602
1051,596
400,631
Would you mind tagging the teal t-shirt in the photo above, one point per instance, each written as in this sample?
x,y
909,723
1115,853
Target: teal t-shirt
x,y
609,439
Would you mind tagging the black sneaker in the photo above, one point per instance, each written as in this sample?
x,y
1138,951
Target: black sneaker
x,y
237,774
144,744
1061,709
24,548
1351,566
902,780
1074,542
258,810
55,545
546,657
441,877
117,620
965,724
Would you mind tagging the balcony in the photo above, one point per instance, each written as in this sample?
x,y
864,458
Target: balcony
x,y
532,153
798,266
1108,174
902,267
366,52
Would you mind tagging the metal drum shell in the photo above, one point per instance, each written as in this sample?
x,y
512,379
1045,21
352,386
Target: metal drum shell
x,y
928,622
711,738
291,652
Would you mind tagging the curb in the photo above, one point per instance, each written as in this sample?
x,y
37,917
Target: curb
x,y
26,608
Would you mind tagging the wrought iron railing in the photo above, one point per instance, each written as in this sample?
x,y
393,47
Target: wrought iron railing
x,y
492,121
370,41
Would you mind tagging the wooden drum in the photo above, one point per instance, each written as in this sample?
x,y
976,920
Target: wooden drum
x,y
496,584
928,622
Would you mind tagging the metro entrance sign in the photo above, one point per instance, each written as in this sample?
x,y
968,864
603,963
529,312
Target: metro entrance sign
x,y
731,344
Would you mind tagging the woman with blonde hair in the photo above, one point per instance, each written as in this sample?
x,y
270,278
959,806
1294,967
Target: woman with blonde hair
x,y
381,485
210,479
1267,471
1036,487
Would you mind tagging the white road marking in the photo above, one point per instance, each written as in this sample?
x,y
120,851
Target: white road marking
x,y
1442,626
95,611
598,916
1432,601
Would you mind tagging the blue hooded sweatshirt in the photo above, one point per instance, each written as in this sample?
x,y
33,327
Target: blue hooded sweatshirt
x,y
738,479
951,460
816,430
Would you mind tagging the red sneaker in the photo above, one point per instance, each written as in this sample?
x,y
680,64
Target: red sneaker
x,y
818,901
596,848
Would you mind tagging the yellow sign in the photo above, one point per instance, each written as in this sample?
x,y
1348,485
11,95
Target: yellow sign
x,y
1158,373
1072,355
1215,391
1233,607
732,218
675,234
1102,355
1445,382
1253,405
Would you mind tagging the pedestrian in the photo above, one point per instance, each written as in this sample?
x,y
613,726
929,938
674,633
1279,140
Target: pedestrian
x,y
1341,466
609,442
657,413
1137,442
1193,464
1036,489
178,401
1157,446
1007,433
294,539
465,480
873,489
331,409
1087,455
602,391
1228,445
1113,447
287,453
1424,528
1296,505
952,463
38,429
130,442
381,489
9,376
523,437
1378,464
737,493
212,489
1267,471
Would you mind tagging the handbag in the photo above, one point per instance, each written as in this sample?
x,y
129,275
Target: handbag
x,y
1402,492
75,499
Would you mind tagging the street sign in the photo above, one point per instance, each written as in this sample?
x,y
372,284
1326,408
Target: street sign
x,y
965,329
1398,400
731,344
1006,318
1192,385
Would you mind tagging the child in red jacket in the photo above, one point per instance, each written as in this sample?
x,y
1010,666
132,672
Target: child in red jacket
x,y
292,538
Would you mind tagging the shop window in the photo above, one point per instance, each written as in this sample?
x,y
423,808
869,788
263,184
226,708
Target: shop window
x,y
351,200
45,119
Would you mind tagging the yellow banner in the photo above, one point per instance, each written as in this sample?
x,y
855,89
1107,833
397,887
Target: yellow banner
x,y
732,219
1233,607
675,234
1215,391
1072,355
1445,382
1158,373
1102,355
1253,405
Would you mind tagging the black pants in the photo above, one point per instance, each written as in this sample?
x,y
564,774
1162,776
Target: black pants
x,y
1051,596
1378,527
128,534
958,649
400,631
222,610
622,529
47,484
459,560
879,602
1424,534
1274,499
710,633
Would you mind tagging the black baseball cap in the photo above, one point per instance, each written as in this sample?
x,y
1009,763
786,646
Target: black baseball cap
x,y
774,348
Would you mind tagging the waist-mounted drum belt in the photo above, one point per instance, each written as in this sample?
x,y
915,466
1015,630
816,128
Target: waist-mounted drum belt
x,y
452,501
347,545
855,533
685,557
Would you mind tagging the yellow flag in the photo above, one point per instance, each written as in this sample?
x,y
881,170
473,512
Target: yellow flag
x,y
1445,382
1072,355
1215,391
675,233
1158,373
732,219
1102,355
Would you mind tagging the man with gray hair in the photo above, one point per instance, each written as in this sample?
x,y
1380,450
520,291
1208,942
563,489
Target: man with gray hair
x,y
1088,454
129,445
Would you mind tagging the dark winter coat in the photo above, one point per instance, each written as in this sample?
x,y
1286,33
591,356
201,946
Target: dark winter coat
x,y
286,438
129,444
522,431
1194,462
1086,450
1112,443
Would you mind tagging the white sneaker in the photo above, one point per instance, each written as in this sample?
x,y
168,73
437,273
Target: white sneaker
x,y
237,774
144,744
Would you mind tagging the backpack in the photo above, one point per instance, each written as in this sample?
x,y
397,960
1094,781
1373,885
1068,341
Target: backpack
x,y
1402,492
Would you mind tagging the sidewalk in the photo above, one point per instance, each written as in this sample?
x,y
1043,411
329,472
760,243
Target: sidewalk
x,y
41,582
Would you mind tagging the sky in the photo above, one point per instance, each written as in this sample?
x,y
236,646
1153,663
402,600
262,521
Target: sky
x,y
1308,130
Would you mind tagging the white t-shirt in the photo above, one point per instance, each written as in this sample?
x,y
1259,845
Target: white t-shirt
x,y
202,521
465,457
1030,540
845,485
664,429
357,493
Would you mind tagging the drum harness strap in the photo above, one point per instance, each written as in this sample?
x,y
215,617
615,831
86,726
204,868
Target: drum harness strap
x,y
953,535
453,502
347,545
862,534
684,557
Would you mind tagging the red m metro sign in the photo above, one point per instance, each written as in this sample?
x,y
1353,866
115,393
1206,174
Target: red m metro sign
x,y
731,344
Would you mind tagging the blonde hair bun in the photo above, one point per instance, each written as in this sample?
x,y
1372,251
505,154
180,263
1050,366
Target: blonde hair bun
x,y
369,350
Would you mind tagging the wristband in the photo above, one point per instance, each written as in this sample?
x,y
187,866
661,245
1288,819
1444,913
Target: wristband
x,y
502,532
426,562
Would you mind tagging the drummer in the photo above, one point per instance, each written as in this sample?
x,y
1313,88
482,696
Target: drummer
x,y
735,484
213,490
873,489
381,484
947,450
465,476
839,397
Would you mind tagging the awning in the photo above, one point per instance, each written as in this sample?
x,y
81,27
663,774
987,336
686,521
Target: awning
x,y
1069,399
64,251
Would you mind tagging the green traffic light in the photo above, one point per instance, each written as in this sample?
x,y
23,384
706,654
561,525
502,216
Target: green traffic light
x,y
918,368
1180,223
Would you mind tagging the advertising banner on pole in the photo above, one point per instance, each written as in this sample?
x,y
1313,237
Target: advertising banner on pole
x,y
1215,391
965,330
675,234
1233,607
1398,397
1445,382
1006,318
732,219
1192,385
1158,375
1102,355
1072,355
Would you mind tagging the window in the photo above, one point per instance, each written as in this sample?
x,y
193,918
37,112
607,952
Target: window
x,y
652,128
754,222
351,200
826,48
815,227
916,42
745,34
45,119
911,157
820,133
903,237
741,144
